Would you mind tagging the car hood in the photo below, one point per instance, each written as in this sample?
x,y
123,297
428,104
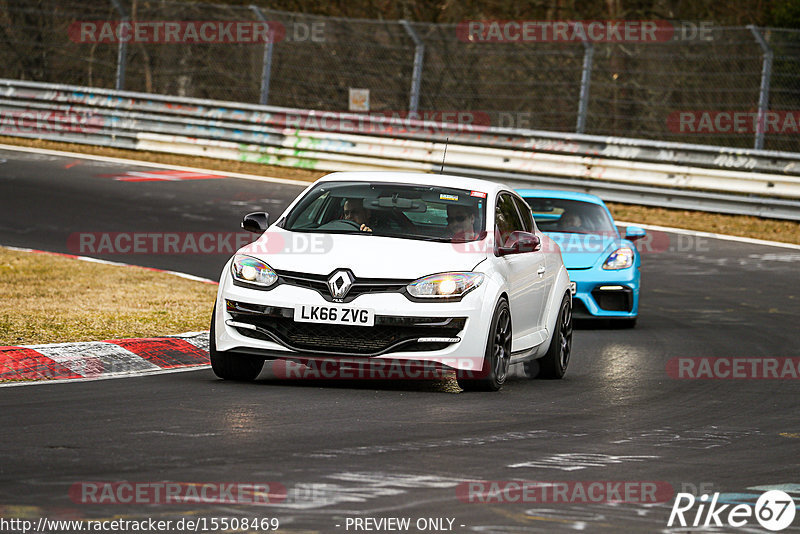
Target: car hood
x,y
583,251
367,256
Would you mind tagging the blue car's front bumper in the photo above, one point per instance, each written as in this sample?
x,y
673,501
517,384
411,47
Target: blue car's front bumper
x,y
606,294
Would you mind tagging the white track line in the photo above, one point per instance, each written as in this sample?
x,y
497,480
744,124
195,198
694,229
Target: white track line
x,y
115,263
306,183
108,377
711,235
141,163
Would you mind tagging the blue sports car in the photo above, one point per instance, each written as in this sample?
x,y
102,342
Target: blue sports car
x,y
603,267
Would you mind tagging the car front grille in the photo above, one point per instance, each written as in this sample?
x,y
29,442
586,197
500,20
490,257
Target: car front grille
x,y
319,283
389,334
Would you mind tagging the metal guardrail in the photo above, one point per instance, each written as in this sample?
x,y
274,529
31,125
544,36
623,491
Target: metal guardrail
x,y
763,183
650,196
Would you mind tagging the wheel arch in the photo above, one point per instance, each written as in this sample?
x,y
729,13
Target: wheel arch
x,y
560,287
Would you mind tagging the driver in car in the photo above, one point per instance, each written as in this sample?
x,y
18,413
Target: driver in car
x,y
571,222
354,210
460,222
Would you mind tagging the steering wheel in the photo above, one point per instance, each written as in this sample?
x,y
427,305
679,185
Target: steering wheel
x,y
354,224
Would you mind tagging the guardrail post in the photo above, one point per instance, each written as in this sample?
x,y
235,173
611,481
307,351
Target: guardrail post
x,y
266,68
763,92
419,56
122,49
586,78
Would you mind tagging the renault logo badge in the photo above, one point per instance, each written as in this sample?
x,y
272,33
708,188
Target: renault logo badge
x,y
340,283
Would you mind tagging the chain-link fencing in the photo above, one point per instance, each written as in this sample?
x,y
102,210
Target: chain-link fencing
x,y
725,86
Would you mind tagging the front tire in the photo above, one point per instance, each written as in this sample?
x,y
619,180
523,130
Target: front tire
x,y
231,366
554,363
497,357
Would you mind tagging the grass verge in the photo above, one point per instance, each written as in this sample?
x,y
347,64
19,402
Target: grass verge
x,y
740,225
54,299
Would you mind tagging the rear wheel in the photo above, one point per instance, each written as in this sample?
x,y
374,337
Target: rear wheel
x,y
231,366
554,363
497,357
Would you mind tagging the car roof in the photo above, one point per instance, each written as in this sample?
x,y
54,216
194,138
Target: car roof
x,y
418,178
565,195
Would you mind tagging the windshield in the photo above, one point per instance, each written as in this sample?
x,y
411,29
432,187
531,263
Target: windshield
x,y
395,210
570,216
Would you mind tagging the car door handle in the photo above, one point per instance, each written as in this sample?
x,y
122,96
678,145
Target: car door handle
x,y
541,270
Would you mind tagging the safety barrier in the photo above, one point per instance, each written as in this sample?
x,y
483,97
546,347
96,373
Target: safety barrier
x,y
687,176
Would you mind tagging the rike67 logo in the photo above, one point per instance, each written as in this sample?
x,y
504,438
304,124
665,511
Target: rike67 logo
x,y
774,510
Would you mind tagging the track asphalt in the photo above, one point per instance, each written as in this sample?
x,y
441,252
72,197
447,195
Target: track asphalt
x,y
336,451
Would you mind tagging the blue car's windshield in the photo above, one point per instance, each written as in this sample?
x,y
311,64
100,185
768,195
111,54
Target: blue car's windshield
x,y
570,216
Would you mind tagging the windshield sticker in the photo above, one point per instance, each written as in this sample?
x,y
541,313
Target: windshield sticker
x,y
444,196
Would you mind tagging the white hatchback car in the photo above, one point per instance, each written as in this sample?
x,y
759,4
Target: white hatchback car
x,y
420,269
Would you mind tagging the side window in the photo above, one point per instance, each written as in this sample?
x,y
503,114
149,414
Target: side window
x,y
506,218
310,216
527,216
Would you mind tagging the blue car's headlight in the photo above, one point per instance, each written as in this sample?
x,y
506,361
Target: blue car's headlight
x,y
622,258
249,270
444,285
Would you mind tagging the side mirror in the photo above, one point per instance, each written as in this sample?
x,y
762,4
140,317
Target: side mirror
x,y
256,222
520,242
632,233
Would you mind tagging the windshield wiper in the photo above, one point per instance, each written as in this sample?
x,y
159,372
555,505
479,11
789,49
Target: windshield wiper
x,y
420,237
326,231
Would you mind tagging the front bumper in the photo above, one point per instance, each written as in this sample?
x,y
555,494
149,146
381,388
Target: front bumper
x,y
605,294
450,334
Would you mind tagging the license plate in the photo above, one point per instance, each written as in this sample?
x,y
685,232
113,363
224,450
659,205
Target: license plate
x,y
344,315
573,287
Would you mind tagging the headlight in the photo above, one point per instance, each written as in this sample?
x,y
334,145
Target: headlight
x,y
622,258
445,285
252,271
